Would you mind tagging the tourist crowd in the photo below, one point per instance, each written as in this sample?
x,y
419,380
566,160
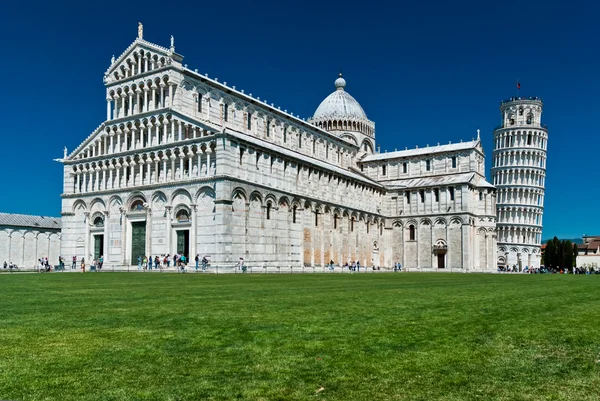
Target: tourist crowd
x,y
550,270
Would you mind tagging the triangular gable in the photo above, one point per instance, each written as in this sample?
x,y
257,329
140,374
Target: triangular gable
x,y
136,46
97,132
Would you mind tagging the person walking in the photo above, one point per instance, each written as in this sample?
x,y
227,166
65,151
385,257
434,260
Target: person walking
x,y
74,265
168,260
83,265
150,262
157,263
140,262
197,261
100,262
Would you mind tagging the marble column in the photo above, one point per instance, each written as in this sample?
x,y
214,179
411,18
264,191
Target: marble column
x,y
103,183
86,244
168,239
208,152
173,157
181,157
145,105
108,108
148,230
193,237
77,189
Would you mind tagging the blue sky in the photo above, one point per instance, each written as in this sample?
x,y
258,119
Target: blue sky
x,y
425,72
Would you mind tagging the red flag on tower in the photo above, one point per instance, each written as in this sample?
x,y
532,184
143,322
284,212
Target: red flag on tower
x,y
518,85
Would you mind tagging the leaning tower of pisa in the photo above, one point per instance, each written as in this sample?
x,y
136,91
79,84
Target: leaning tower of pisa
x,y
519,173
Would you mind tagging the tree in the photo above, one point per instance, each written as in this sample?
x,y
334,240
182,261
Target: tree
x,y
567,254
548,254
575,253
556,259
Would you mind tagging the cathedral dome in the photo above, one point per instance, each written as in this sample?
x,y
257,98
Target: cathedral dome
x,y
339,105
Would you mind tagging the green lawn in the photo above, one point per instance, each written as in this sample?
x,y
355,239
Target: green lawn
x,y
119,336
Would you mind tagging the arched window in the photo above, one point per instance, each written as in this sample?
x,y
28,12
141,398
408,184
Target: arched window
x,y
521,111
137,206
99,221
294,214
182,216
269,211
411,232
335,219
529,118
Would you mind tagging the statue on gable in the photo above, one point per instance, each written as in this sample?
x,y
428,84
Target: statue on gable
x,y
172,41
140,30
65,152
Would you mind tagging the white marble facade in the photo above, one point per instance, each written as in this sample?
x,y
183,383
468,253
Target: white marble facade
x,y
519,173
24,239
184,163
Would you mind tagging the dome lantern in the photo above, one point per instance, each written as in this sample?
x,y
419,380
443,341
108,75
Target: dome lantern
x,y
340,83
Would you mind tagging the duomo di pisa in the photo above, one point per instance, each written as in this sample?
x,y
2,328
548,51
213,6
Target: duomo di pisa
x,y
185,163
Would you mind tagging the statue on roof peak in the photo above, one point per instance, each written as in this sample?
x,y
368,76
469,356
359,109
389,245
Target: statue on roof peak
x,y
140,30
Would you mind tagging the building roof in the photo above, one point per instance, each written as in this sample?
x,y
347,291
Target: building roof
x,y
339,105
306,159
25,220
453,147
432,181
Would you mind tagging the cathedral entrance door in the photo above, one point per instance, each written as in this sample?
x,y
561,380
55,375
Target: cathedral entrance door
x,y
441,261
98,246
138,241
183,243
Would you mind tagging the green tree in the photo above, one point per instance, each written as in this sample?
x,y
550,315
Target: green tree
x,y
567,254
556,261
548,254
